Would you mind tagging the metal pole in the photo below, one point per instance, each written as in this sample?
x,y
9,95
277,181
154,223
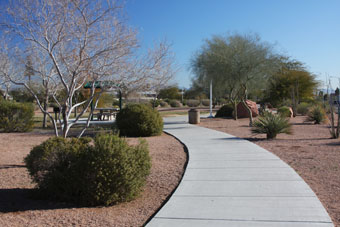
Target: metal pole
x,y
210,103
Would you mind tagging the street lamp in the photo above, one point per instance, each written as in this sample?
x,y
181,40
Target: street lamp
x,y
210,101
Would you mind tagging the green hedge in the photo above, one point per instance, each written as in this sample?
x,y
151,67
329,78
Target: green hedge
x,y
16,117
72,170
139,120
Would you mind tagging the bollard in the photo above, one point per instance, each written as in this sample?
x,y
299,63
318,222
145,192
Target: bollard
x,y
194,116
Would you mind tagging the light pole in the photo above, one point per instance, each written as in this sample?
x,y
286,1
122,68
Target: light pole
x,y
210,103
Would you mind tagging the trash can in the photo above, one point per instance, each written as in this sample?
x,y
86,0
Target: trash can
x,y
194,116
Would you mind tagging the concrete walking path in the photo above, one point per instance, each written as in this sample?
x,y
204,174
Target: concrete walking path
x,y
232,182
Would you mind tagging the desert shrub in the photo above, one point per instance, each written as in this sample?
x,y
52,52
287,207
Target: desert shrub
x,y
271,125
16,117
205,102
155,102
72,170
302,108
163,103
193,102
175,103
139,120
317,114
225,111
284,111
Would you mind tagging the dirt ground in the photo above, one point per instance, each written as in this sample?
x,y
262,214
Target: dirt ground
x,y
309,150
18,209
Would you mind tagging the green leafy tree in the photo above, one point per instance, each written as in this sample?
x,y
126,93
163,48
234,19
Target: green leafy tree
x,y
236,64
291,82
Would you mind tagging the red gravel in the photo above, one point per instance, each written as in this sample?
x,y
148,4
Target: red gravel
x,y
17,209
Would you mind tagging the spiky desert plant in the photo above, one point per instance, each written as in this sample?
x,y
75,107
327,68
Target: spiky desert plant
x,y
317,114
271,125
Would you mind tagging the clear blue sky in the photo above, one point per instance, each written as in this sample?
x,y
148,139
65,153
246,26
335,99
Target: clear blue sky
x,y
306,30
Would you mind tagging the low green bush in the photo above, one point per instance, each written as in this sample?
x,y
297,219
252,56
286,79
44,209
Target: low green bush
x,y
225,111
303,108
271,125
284,111
155,102
139,120
163,103
205,102
193,102
175,103
317,114
72,170
16,117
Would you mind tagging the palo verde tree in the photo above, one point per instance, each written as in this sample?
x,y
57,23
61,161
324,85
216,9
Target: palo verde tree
x,y
79,41
236,64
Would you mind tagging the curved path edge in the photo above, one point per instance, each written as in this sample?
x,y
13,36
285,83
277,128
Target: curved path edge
x,y
233,182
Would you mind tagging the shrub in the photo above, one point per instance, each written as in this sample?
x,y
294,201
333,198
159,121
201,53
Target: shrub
x,y
225,111
193,102
155,102
317,114
205,102
271,125
163,103
284,111
16,117
174,103
139,120
302,108
72,170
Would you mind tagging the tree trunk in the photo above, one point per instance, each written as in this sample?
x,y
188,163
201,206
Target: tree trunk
x,y
249,113
44,124
235,110
65,122
294,103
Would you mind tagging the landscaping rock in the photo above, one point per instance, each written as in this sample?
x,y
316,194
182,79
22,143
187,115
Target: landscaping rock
x,y
242,111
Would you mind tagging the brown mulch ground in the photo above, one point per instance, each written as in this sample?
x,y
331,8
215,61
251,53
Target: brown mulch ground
x,y
310,151
18,209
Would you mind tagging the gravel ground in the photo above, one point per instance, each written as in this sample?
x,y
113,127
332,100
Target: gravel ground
x,y
18,209
309,150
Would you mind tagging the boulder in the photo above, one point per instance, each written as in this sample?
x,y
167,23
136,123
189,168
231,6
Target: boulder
x,y
242,111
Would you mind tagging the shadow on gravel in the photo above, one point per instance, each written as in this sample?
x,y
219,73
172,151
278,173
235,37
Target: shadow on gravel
x,y
11,166
18,199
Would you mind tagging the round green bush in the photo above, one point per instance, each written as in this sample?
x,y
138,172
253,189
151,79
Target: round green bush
x,y
303,108
193,102
163,103
15,116
139,120
72,170
205,102
284,111
174,103
225,111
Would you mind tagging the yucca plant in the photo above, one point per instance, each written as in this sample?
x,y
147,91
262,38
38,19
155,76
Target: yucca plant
x,y
271,125
317,114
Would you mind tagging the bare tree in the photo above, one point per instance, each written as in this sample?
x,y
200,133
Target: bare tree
x,y
79,41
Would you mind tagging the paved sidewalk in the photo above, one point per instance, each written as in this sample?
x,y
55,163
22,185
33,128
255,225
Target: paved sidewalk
x,y
232,182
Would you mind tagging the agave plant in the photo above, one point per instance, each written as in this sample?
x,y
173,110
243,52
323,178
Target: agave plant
x,y
271,125
317,114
